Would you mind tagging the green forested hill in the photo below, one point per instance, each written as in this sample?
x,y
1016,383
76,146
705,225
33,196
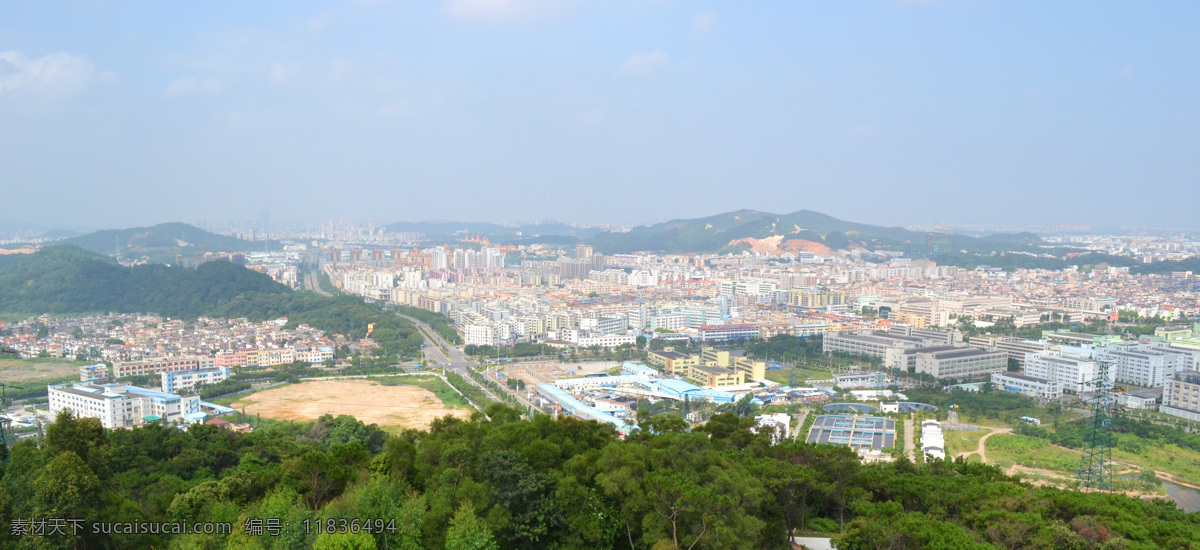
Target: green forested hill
x,y
714,233
501,482
164,240
66,279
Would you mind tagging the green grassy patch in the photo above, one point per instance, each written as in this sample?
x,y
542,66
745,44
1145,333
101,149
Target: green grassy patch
x,y
1166,457
783,375
435,385
1032,452
961,441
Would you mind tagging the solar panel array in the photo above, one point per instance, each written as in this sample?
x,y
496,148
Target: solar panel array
x,y
854,431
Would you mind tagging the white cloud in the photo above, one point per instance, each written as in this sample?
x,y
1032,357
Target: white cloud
x,y
862,131
317,23
507,9
191,85
282,73
704,22
644,63
588,118
55,73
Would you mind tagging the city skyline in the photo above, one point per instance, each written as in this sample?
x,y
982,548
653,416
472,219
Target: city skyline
x,y
892,113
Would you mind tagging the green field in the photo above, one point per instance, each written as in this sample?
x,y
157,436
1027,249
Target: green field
x,y
1166,457
452,399
32,370
1031,452
782,376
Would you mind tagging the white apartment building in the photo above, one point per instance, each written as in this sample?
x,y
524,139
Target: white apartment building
x,y
1072,368
643,278
1144,364
177,382
479,335
614,323
120,406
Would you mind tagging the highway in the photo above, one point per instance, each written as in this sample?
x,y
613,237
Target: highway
x,y
445,354
457,361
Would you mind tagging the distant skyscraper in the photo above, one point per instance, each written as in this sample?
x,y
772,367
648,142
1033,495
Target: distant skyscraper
x,y
583,252
493,257
439,259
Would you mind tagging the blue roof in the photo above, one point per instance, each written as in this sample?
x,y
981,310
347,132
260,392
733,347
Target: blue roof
x,y
578,408
218,409
678,385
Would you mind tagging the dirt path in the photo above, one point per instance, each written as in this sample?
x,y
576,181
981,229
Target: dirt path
x,y
982,450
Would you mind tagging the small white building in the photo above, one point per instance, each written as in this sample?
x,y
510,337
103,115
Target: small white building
x,y
933,443
90,373
1032,386
778,425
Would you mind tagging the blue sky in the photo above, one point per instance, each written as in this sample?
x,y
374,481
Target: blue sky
x,y
115,114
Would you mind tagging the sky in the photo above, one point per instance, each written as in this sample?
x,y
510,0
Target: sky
x,y
118,114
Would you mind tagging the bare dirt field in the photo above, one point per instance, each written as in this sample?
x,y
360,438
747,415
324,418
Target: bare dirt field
x,y
27,370
541,372
391,407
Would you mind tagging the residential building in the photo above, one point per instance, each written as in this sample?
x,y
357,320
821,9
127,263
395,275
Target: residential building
x,y
1181,396
179,382
155,366
92,373
815,299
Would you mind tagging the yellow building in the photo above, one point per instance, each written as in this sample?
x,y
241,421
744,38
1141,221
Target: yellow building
x,y
714,358
672,361
714,377
910,318
750,370
815,299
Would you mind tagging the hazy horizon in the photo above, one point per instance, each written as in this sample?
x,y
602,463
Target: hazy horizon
x,y
896,113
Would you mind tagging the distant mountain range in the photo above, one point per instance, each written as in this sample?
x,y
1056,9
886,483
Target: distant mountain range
x,y
802,230
164,240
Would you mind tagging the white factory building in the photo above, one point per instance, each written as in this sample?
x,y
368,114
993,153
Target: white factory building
x,y
122,406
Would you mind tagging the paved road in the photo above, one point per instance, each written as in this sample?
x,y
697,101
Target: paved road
x,y
448,356
910,446
800,424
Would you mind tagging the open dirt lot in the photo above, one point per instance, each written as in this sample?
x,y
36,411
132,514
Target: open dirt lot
x,y
395,407
540,372
19,370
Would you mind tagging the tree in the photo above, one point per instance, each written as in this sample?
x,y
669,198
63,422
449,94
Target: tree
x,y
467,532
66,488
346,541
85,437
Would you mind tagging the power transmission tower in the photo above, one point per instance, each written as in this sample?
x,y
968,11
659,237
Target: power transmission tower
x,y
5,423
1095,467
